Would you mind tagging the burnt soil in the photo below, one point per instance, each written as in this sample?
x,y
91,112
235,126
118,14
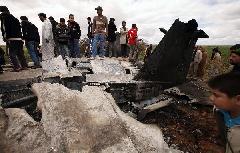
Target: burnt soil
x,y
188,127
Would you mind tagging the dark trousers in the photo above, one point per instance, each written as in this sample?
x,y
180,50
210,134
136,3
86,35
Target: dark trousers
x,y
32,50
74,47
124,50
16,54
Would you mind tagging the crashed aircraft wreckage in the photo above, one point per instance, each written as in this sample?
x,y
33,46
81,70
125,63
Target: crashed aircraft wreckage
x,y
75,109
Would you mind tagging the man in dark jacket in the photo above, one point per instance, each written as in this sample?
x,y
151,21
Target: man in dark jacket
x,y
31,37
111,37
62,35
75,33
11,31
54,26
234,58
90,36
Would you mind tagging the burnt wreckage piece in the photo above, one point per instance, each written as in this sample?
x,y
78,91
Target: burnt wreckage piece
x,y
171,59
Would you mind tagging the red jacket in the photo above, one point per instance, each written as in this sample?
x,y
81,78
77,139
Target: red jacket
x,y
132,36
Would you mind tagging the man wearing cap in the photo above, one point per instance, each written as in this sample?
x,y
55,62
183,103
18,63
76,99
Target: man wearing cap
x,y
234,58
12,35
31,37
100,29
47,48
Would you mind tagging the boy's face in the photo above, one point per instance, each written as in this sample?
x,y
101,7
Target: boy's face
x,y
222,100
71,18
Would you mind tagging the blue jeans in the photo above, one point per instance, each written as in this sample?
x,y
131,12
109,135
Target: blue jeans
x,y
63,50
101,39
32,50
74,48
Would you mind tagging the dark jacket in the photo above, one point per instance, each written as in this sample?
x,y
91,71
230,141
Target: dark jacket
x,y
62,34
30,32
236,69
10,26
74,30
111,32
54,25
90,33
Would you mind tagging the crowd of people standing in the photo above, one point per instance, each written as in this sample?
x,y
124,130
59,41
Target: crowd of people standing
x,y
64,39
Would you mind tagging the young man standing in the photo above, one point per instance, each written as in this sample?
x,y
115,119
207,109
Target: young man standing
x,y
75,33
11,32
123,39
47,48
62,36
100,30
111,37
90,36
54,25
30,35
132,41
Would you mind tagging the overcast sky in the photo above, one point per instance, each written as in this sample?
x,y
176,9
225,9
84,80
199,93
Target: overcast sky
x,y
220,19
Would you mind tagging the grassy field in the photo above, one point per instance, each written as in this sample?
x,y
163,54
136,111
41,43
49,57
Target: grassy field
x,y
224,50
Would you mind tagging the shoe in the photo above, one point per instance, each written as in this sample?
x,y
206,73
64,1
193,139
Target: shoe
x,y
24,68
36,66
16,70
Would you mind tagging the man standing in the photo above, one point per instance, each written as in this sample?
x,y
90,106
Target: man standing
x,y
234,58
75,33
100,30
111,37
90,36
195,63
54,25
62,35
11,31
132,41
30,35
123,39
47,48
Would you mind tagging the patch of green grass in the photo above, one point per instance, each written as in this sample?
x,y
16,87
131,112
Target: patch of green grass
x,y
224,50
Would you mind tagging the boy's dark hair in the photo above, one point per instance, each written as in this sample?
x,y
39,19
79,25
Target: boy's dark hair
x,y
51,18
42,14
24,18
134,25
70,15
228,83
62,20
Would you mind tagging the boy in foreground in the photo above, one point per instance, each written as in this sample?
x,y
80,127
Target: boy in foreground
x,y
226,98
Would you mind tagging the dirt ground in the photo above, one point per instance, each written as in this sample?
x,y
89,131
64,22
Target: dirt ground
x,y
189,127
